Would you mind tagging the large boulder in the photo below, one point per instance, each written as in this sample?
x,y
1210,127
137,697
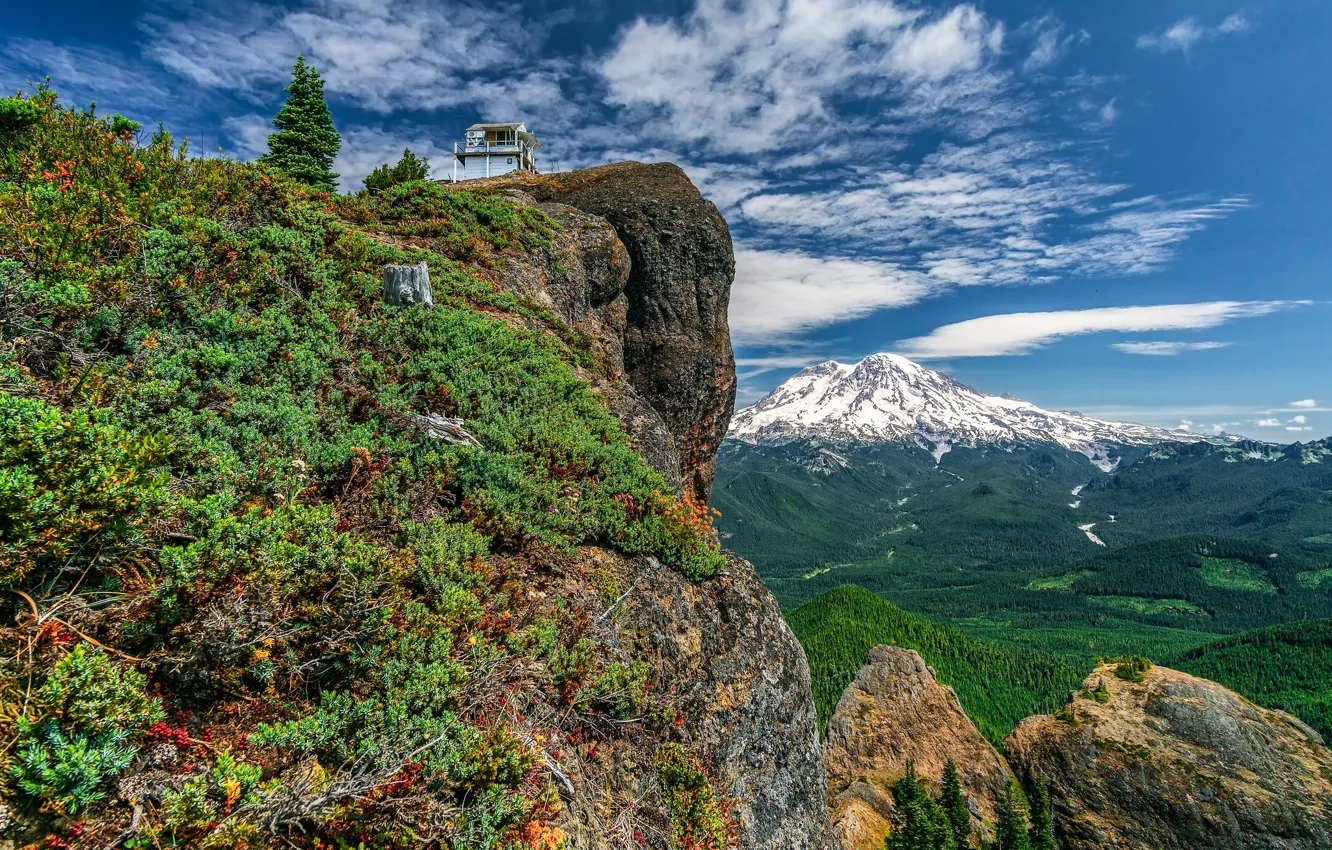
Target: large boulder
x,y
1174,762
895,712
677,343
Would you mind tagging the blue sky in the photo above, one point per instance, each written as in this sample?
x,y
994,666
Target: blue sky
x,y
1117,208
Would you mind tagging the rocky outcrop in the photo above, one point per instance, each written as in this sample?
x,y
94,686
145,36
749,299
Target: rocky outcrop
x,y
1177,763
742,682
676,340
893,713
640,266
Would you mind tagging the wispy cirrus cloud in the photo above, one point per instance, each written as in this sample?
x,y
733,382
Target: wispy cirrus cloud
x,y
778,293
1050,42
396,54
1183,34
1165,349
1023,333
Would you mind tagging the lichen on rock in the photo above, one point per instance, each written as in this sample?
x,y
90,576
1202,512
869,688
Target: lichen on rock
x,y
1174,762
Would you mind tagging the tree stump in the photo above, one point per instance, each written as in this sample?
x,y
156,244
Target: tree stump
x,y
408,285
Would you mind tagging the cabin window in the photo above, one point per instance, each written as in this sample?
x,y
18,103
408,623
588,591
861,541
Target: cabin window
x,y
501,137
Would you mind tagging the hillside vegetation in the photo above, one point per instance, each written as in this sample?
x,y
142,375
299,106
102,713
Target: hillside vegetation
x,y
245,585
1283,667
998,686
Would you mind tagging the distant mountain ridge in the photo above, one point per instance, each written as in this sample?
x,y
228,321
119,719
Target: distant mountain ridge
x,y
887,398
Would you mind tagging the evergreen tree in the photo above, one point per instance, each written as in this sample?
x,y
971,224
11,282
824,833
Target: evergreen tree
x,y
1042,827
917,822
410,167
954,804
306,141
1012,827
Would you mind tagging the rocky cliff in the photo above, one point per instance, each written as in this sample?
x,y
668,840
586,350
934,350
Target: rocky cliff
x,y
675,343
893,713
1173,762
642,265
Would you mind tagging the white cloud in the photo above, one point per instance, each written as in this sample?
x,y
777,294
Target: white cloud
x,y
1307,402
986,214
383,56
1269,423
1298,428
84,74
1165,349
1184,34
1108,113
777,293
1023,333
1299,420
1051,44
738,77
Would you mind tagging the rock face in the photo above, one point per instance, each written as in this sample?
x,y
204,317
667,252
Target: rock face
x,y
743,685
895,712
1177,763
676,345
641,265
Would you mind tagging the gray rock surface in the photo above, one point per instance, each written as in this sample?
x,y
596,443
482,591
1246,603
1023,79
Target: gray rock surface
x,y
677,343
1178,763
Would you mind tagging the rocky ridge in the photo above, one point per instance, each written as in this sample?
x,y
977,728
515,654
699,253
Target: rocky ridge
x,y
893,713
1174,762
673,269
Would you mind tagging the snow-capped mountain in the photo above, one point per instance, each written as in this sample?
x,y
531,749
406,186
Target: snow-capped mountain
x,y
886,398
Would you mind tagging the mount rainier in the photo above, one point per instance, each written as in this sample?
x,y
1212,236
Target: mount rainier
x,y
886,398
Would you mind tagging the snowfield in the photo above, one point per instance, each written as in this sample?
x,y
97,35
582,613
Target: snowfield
x,y
887,398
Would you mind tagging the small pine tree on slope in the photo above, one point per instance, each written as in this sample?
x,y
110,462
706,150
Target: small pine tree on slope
x,y
1012,827
917,821
306,142
410,167
954,804
1042,828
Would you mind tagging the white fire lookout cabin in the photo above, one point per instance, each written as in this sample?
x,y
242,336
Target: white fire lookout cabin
x,y
489,150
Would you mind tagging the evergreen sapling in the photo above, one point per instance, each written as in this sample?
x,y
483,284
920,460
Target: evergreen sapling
x,y
954,804
306,142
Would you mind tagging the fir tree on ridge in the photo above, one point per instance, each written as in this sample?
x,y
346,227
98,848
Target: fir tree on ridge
x,y
954,804
918,823
1011,830
410,167
1042,827
305,142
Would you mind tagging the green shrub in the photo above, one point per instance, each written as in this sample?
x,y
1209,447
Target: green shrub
x,y
87,714
699,821
71,486
1133,669
65,773
202,801
89,692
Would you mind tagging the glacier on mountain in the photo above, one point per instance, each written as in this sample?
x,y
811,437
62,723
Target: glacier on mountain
x,y
887,398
